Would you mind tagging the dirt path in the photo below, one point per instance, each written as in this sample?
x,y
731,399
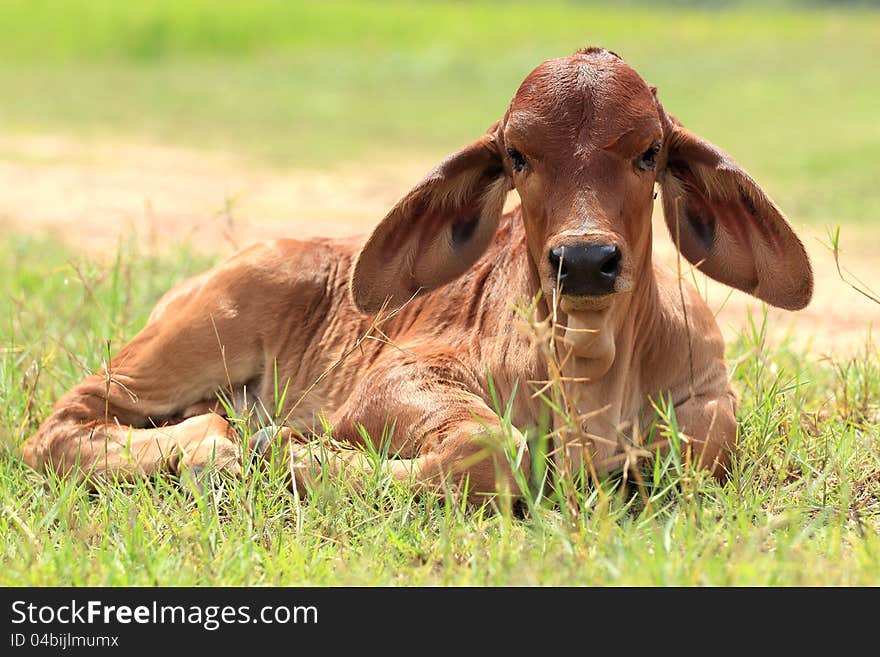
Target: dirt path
x,y
91,194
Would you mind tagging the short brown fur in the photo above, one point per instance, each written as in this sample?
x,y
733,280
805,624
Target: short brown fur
x,y
449,268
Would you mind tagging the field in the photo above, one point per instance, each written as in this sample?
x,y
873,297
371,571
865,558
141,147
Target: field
x,y
139,144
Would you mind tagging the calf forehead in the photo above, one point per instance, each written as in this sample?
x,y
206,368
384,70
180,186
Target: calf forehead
x,y
587,99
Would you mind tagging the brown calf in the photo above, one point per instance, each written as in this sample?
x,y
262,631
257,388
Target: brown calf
x,y
583,142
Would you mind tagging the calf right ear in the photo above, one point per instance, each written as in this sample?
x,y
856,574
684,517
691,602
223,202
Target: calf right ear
x,y
437,231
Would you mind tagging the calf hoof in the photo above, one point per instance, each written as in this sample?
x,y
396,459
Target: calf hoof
x,y
260,443
298,459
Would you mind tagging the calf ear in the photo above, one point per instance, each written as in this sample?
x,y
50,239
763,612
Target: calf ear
x,y
437,231
724,223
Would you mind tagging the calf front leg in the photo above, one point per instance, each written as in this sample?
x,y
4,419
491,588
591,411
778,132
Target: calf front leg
x,y
470,455
709,423
441,434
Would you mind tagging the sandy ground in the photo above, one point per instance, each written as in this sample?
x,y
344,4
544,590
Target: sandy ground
x,y
92,194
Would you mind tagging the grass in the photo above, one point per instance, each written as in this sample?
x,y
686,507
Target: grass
x,y
791,92
801,508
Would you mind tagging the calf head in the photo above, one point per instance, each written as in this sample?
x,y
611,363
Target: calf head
x,y
583,142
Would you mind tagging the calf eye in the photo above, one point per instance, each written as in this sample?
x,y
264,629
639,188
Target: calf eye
x,y
517,160
647,161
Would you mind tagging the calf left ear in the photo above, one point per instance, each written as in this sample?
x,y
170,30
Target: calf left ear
x,y
724,223
437,231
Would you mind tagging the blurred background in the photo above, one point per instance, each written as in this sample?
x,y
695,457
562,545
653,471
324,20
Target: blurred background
x,y
214,123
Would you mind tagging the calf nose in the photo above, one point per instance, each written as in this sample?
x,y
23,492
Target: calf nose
x,y
586,269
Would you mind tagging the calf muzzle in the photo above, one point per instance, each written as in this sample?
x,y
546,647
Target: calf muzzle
x,y
586,269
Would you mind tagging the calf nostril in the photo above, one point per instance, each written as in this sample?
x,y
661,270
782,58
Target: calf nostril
x,y
556,261
585,269
611,265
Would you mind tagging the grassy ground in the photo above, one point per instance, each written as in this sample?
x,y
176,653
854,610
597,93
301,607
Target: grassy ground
x,y
792,92
802,506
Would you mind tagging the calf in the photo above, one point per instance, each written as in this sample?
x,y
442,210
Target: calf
x,y
583,142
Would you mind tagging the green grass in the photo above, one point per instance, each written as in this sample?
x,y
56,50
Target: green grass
x,y
801,508
791,93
